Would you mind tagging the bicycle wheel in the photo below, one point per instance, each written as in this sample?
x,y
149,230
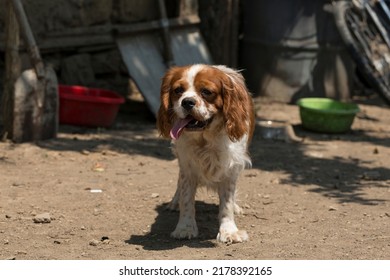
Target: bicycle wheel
x,y
366,46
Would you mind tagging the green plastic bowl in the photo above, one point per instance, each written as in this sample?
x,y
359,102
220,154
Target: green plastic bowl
x,y
326,115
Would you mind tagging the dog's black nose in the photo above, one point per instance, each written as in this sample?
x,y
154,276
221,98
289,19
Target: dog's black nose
x,y
188,103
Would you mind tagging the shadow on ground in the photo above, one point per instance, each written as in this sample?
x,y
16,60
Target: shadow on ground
x,y
338,177
159,236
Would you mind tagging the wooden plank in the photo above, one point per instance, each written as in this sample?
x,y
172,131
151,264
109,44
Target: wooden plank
x,y
79,37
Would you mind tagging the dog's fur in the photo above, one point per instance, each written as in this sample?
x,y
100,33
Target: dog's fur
x,y
208,112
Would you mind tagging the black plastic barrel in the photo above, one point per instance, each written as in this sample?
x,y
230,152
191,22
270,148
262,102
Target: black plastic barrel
x,y
291,49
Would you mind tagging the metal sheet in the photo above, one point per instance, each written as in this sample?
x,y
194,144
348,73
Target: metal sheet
x,y
142,55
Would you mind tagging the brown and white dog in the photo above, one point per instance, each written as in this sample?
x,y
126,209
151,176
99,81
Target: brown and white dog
x,y
208,113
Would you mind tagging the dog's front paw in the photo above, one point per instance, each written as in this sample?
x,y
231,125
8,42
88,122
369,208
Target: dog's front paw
x,y
232,237
228,233
185,231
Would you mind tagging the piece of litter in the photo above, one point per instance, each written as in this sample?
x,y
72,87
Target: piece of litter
x,y
95,191
99,167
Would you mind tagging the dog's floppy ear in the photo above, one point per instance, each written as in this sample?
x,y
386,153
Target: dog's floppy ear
x,y
237,105
165,112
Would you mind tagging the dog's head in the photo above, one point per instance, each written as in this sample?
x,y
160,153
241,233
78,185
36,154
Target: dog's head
x,y
200,97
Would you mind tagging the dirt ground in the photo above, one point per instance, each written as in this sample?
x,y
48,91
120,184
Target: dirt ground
x,y
101,194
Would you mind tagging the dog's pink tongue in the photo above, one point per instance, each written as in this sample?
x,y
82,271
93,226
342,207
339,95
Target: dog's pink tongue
x,y
178,127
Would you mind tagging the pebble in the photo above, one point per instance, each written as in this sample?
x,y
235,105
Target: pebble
x,y
43,218
291,221
155,195
106,241
85,152
94,242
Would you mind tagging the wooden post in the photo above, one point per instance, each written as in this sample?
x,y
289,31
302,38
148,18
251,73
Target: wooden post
x,y
12,70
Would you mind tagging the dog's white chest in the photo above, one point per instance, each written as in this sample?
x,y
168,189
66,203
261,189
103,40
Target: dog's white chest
x,y
210,162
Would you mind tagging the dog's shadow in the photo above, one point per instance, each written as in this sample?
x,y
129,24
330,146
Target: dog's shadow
x,y
159,236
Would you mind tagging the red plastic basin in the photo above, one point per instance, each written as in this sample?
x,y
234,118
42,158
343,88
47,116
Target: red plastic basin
x,y
88,106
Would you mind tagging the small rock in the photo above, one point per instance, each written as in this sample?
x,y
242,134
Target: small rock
x,y
8,216
94,242
291,221
155,195
275,181
85,152
267,202
315,220
57,242
332,208
43,218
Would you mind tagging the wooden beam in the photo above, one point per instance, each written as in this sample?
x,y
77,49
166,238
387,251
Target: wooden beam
x,y
79,37
12,70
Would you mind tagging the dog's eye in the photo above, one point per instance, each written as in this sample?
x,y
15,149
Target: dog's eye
x,y
179,90
205,92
